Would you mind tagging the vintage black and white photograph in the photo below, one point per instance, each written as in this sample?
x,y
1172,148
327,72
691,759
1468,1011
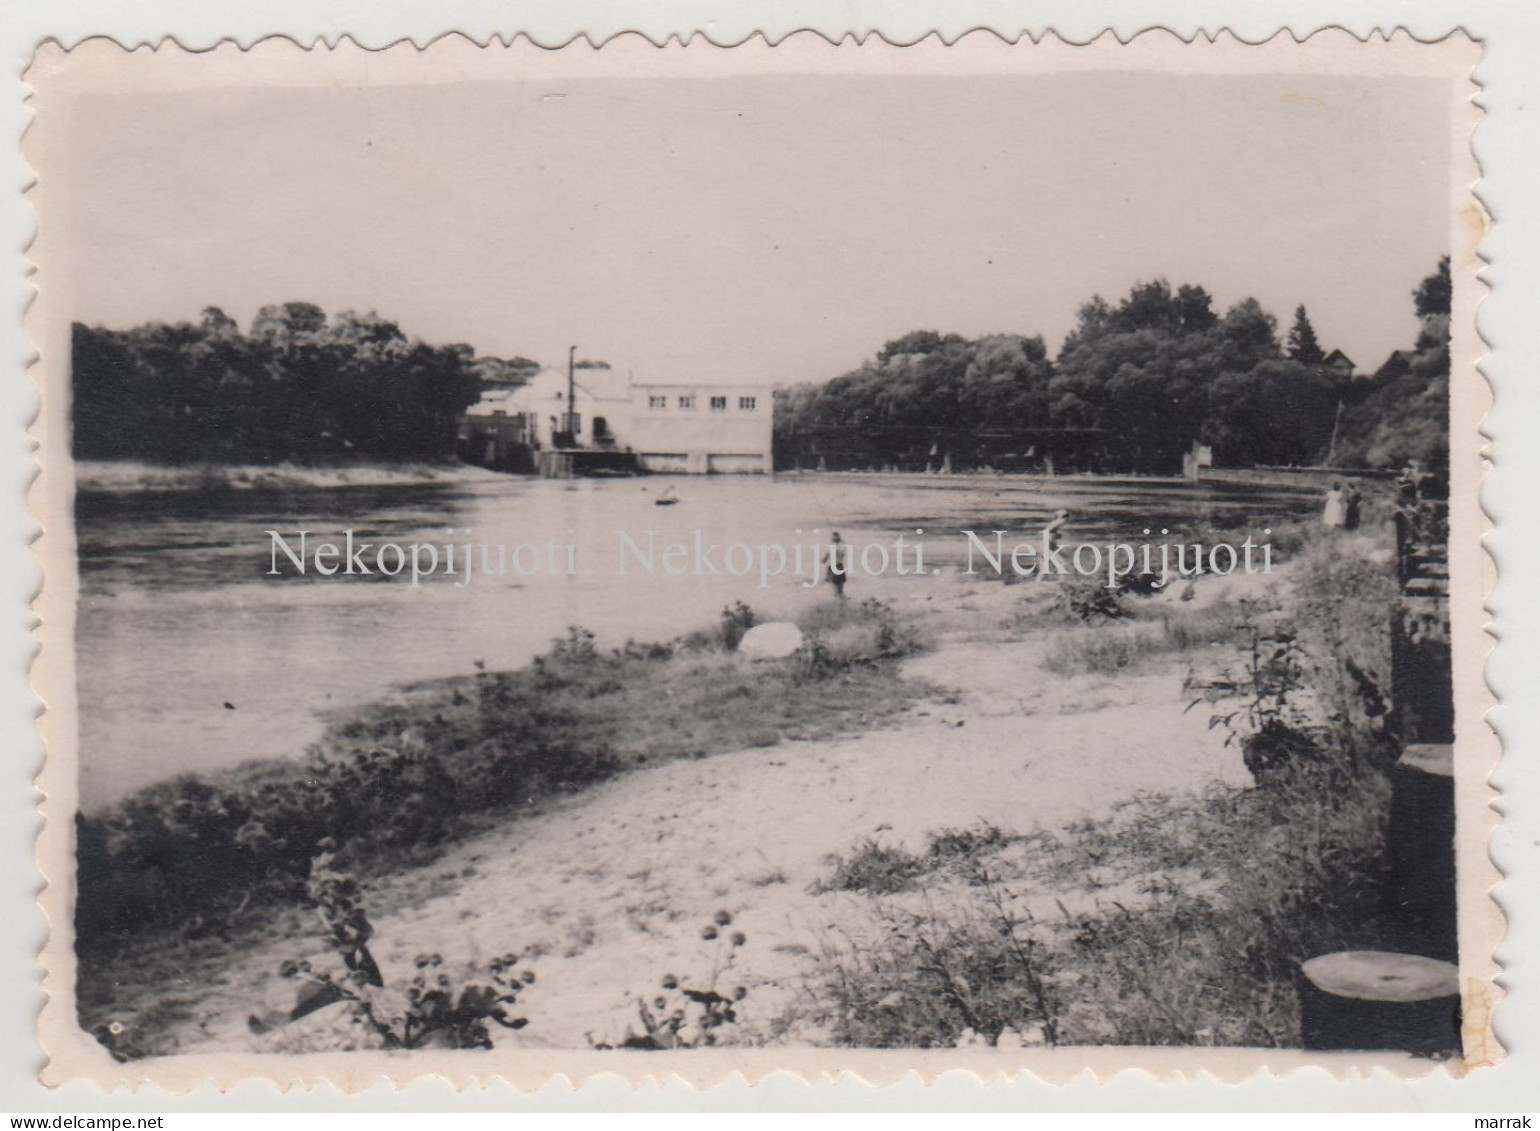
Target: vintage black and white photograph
x,y
796,554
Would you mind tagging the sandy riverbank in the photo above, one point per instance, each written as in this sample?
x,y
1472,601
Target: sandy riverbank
x,y
1032,752
609,889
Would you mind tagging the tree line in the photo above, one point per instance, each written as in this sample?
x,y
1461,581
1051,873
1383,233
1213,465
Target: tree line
x,y
296,386
1133,387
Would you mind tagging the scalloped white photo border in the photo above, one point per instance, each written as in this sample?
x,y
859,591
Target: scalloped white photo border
x,y
1162,1065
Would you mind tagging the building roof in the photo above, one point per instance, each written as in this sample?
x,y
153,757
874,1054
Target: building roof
x,y
1337,356
705,386
497,398
1399,361
596,384
549,384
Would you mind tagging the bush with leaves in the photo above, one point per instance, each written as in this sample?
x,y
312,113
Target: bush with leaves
x,y
872,868
842,635
684,1016
937,978
437,1010
1086,599
1258,700
190,852
737,619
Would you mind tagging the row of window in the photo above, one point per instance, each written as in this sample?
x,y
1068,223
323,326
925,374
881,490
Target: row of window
x,y
718,404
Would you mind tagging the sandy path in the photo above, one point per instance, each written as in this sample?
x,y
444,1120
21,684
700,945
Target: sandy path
x,y
615,885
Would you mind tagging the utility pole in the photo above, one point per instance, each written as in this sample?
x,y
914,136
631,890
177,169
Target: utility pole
x,y
571,393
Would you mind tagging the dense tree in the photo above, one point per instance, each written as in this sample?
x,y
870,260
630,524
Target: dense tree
x,y
1135,384
1141,371
1280,412
1404,413
290,324
504,371
298,386
1435,293
1303,346
920,343
925,397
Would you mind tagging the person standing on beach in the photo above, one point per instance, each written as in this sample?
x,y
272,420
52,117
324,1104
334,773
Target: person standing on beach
x,y
1352,509
1334,513
839,563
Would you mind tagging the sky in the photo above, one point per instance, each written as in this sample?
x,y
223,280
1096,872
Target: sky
x,y
776,228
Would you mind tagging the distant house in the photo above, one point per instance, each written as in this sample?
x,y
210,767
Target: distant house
x,y
1339,364
1397,364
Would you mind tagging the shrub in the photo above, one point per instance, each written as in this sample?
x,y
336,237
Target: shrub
x,y
183,853
932,979
871,868
194,855
1108,649
1340,612
734,621
1240,887
576,648
437,1010
737,619
1258,704
841,635
1190,629
1086,599
1104,651
1221,896
682,1016
966,846
813,661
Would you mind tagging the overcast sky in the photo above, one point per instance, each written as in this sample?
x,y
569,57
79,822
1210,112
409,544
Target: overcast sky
x,y
779,228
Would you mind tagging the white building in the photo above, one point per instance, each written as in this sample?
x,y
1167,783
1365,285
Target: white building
x,y
600,411
702,429
691,428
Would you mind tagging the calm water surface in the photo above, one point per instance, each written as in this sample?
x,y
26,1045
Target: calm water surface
x,y
178,617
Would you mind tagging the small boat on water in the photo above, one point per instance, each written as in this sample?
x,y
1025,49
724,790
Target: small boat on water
x,y
667,499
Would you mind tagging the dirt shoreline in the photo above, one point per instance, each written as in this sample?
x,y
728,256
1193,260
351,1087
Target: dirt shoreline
x,y
610,888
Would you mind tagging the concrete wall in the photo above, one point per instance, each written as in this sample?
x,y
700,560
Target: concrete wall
x,y
675,428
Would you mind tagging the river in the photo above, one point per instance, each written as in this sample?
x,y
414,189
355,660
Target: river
x,y
194,655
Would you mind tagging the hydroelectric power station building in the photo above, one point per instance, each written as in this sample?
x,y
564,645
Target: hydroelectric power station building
x,y
615,423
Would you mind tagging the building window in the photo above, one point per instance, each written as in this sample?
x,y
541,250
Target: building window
x,y
746,404
657,402
686,402
718,404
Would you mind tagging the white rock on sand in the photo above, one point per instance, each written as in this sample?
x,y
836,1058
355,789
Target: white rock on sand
x,y
773,641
